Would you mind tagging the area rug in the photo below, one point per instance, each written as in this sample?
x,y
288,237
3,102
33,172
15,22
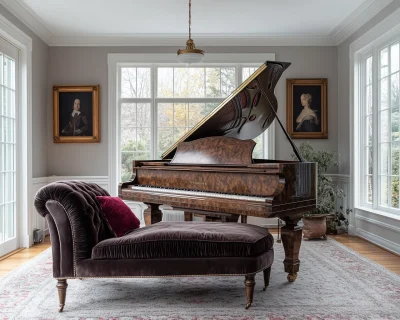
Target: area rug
x,y
334,283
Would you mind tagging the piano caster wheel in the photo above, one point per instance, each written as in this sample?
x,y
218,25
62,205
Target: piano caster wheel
x,y
291,277
247,305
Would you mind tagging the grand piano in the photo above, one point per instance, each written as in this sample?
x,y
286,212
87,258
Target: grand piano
x,y
210,170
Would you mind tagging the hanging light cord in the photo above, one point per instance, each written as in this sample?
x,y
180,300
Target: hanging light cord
x,y
190,18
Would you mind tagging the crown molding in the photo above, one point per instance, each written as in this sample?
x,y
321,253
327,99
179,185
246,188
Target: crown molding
x,y
340,33
29,18
365,12
179,40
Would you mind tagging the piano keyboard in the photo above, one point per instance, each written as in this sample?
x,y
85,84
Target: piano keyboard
x,y
200,193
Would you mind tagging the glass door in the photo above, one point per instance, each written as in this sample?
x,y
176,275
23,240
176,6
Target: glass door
x,y
8,147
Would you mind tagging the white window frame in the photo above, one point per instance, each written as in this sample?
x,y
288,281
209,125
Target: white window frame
x,y
12,243
370,43
115,61
24,206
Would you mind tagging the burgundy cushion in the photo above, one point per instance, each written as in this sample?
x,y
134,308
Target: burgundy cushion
x,y
119,215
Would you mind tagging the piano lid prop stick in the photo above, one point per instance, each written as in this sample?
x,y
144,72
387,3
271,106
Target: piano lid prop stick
x,y
296,151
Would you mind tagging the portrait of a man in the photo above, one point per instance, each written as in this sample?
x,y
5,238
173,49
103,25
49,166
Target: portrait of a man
x,y
76,114
75,119
307,108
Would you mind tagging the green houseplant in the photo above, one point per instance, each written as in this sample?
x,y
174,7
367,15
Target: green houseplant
x,y
327,193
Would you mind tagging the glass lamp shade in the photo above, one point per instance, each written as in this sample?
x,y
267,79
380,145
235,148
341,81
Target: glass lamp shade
x,y
190,57
190,54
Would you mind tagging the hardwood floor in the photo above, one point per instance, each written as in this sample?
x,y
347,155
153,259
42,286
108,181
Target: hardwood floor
x,y
385,258
9,263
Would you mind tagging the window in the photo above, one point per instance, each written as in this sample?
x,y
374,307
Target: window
x,y
380,126
159,103
8,146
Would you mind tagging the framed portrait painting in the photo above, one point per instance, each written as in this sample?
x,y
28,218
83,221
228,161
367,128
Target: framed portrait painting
x,y
306,108
76,114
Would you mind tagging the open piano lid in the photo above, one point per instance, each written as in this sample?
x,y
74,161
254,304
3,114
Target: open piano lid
x,y
246,113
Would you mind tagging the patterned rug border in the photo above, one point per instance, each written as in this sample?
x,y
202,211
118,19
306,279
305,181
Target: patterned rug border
x,y
373,263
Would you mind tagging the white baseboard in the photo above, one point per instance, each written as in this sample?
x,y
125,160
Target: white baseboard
x,y
378,228
379,241
352,230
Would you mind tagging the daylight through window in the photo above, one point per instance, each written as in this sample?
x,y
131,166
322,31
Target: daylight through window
x,y
381,133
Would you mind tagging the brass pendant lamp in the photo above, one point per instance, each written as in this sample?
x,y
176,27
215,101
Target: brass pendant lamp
x,y
190,54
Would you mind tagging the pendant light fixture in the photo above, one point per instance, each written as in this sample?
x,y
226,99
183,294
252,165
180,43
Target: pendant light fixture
x,y
190,54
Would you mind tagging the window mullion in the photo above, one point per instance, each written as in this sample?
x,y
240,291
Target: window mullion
x,y
205,82
189,100
389,124
154,112
135,100
375,129
364,165
239,75
362,129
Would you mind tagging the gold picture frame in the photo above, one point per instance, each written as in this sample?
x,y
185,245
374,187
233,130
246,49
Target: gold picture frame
x,y
76,114
307,108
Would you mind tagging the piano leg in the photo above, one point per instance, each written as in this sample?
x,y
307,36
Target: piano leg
x,y
243,219
188,216
291,239
152,214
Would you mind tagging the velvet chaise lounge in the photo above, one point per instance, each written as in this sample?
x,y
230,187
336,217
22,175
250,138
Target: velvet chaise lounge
x,y
85,246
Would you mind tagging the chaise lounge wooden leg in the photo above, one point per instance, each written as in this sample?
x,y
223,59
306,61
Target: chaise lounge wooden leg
x,y
267,273
62,292
250,283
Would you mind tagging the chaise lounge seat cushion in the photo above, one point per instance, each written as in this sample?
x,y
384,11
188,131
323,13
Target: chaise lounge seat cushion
x,y
187,240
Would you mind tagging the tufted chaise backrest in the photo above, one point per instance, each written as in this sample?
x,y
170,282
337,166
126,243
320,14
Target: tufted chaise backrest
x,y
75,221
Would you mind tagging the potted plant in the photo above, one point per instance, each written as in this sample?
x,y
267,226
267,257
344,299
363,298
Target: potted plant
x,y
337,222
314,222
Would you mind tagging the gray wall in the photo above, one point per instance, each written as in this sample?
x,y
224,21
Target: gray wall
x,y
344,85
40,124
88,65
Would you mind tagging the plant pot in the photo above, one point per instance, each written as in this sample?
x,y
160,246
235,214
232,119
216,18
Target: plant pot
x,y
314,227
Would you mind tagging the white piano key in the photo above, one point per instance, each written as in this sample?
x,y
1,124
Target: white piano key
x,y
200,193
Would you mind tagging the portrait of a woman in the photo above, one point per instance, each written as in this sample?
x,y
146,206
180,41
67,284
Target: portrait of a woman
x,y
307,120
307,108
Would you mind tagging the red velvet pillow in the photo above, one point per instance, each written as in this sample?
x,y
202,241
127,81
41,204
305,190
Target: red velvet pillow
x,y
119,215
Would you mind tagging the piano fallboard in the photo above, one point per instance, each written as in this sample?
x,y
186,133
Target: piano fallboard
x,y
218,205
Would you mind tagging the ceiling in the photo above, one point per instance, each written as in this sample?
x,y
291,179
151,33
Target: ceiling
x,y
105,22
